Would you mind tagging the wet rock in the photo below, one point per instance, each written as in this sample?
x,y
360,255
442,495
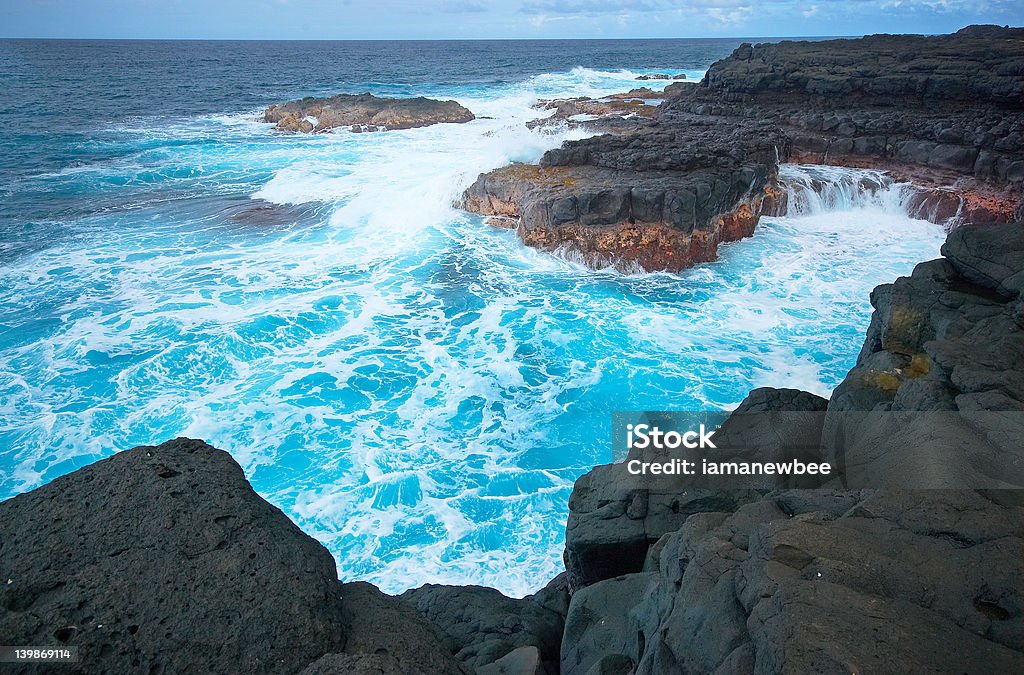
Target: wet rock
x,y
661,76
652,201
364,112
662,194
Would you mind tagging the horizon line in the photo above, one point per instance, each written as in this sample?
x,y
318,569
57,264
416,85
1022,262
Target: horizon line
x,y
460,39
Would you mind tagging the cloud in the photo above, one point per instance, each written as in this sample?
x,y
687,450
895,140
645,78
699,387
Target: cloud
x,y
730,16
593,7
463,7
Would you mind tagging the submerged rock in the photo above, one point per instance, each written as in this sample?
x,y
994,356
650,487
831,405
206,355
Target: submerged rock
x,y
364,112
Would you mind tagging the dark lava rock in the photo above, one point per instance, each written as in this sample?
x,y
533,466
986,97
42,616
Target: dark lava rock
x,y
832,580
943,112
384,626
977,65
364,112
163,559
660,199
897,583
946,341
359,664
482,626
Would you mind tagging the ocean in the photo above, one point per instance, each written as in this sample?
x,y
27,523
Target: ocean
x,y
415,389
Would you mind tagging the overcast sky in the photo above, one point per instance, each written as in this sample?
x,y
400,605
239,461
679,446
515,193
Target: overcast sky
x,y
412,19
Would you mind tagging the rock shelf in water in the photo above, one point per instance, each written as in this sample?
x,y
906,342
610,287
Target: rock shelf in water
x,y
946,112
364,112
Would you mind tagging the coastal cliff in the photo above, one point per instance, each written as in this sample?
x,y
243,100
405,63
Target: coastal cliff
x,y
945,113
164,559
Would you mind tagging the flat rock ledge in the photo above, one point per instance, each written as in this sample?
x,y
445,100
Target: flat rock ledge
x,y
364,112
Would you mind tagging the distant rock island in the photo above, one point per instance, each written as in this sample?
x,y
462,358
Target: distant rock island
x,y
364,112
662,189
661,76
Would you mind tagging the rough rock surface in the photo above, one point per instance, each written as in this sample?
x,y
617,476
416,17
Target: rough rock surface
x,y
136,558
662,199
482,626
830,581
384,626
163,559
945,112
364,112
611,114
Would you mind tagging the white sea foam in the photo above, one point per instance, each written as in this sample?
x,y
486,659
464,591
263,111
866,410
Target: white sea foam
x,y
418,390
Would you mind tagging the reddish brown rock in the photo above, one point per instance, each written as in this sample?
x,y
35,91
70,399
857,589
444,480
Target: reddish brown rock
x,y
364,112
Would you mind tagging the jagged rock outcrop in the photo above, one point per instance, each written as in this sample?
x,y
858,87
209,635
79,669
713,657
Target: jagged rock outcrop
x,y
976,65
364,112
824,580
662,76
943,112
611,113
136,558
482,626
946,112
663,199
163,559
814,581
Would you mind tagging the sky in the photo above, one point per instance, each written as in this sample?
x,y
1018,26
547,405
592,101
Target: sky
x,y
463,19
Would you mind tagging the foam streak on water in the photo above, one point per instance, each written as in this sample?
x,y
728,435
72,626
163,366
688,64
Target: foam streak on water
x,y
417,390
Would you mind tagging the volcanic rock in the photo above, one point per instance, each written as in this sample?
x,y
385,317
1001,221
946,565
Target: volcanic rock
x,y
945,112
364,112
824,580
482,626
656,200
164,559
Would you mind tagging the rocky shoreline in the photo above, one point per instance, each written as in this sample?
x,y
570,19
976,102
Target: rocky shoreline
x,y
661,192
164,559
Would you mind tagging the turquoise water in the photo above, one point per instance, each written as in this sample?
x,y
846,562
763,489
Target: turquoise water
x,y
417,390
